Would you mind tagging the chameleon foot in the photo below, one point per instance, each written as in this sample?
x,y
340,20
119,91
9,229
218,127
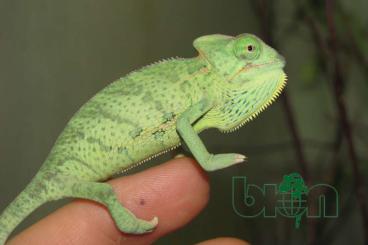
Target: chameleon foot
x,y
220,161
147,226
103,193
128,223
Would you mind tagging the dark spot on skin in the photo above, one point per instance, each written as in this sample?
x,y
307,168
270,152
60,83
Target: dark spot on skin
x,y
142,202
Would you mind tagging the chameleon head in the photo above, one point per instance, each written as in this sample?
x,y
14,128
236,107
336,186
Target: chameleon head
x,y
251,75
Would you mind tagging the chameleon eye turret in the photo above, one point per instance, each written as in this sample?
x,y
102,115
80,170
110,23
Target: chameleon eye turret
x,y
247,47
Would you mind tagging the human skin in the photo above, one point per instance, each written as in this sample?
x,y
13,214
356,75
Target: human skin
x,y
165,190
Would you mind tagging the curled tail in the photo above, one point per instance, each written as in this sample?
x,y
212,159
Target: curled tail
x,y
26,202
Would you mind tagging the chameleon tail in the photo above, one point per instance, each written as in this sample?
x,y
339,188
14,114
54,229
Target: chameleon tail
x,y
26,202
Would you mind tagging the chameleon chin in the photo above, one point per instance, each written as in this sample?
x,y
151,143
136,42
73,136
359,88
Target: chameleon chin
x,y
145,113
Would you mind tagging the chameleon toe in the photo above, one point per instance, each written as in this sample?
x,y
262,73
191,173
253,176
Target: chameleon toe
x,y
240,158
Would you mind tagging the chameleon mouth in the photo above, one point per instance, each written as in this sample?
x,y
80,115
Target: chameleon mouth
x,y
281,85
277,63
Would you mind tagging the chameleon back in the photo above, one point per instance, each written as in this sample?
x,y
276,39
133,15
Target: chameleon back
x,y
131,119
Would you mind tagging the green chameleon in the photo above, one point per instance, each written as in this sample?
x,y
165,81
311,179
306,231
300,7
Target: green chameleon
x,y
147,113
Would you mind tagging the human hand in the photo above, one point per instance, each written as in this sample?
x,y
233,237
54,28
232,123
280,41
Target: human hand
x,y
175,191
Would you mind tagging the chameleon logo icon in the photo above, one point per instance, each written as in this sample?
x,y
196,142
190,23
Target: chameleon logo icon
x,y
292,194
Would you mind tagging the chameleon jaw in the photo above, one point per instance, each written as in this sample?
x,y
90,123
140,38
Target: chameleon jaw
x,y
275,95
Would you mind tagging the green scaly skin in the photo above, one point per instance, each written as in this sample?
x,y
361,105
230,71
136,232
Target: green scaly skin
x,y
144,113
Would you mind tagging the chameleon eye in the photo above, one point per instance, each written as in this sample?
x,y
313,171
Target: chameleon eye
x,y
247,47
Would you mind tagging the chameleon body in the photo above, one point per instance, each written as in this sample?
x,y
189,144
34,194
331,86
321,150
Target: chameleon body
x,y
149,111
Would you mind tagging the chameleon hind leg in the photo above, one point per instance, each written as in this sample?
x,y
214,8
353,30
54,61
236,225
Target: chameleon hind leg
x,y
209,162
103,193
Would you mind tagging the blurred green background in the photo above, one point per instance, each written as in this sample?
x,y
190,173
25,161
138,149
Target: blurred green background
x,y
54,55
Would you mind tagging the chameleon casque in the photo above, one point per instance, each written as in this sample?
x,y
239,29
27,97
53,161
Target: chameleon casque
x,y
148,112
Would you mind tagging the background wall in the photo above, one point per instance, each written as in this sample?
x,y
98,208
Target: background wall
x,y
54,55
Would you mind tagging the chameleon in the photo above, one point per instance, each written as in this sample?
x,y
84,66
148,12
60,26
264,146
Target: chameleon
x,y
148,112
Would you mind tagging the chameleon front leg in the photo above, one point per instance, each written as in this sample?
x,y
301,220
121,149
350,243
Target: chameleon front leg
x,y
209,162
103,193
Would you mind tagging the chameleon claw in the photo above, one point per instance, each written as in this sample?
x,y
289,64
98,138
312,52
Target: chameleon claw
x,y
179,156
154,221
240,158
151,225
144,226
